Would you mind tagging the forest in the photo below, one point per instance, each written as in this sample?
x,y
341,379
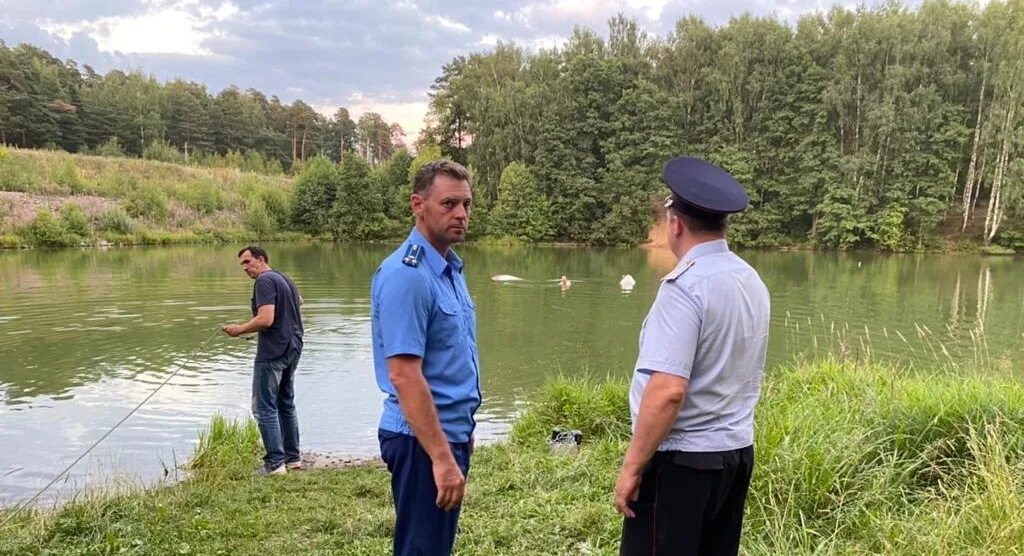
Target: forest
x,y
891,128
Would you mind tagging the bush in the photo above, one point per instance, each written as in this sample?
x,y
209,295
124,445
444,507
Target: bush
x,y
114,184
10,241
46,231
233,159
164,152
313,196
274,168
146,202
75,222
112,147
17,173
66,176
258,219
204,196
116,221
254,162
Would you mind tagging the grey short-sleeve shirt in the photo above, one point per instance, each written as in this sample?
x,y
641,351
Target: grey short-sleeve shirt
x,y
708,324
274,288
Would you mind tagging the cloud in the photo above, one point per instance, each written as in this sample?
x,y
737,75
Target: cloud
x,y
409,115
447,23
168,29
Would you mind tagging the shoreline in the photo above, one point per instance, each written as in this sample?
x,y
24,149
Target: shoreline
x,y
161,238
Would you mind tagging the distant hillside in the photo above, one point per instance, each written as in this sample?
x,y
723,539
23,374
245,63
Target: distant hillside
x,y
50,198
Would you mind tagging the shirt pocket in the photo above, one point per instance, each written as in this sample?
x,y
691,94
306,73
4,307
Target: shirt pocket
x,y
448,329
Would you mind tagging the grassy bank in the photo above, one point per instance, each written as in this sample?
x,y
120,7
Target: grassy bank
x,y
852,459
57,199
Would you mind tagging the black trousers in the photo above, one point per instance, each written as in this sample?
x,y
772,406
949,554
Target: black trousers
x,y
690,503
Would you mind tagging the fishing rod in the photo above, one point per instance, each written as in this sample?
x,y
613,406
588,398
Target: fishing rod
x,y
180,366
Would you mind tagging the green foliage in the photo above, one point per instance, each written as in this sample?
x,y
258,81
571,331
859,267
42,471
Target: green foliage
x,y
112,147
74,222
392,178
313,196
599,411
146,201
427,153
115,220
522,209
275,201
205,196
66,176
17,173
357,210
114,183
258,219
233,159
163,152
11,241
225,444
47,231
253,161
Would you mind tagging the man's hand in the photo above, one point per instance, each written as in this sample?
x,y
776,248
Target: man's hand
x,y
627,489
450,482
233,330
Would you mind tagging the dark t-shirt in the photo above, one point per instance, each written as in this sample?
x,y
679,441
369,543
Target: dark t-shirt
x,y
274,288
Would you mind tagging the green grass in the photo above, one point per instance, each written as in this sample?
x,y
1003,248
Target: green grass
x,y
851,459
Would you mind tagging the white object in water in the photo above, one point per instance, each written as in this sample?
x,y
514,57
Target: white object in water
x,y
565,282
505,278
627,282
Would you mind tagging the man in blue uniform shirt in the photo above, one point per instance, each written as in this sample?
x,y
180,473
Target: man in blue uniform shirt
x,y
685,476
425,360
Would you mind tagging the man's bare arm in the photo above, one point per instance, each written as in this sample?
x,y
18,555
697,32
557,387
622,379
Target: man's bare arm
x,y
406,374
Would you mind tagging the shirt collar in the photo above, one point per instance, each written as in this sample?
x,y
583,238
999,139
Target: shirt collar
x,y
434,259
713,247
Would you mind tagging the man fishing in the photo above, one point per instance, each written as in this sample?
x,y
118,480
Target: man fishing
x,y
275,310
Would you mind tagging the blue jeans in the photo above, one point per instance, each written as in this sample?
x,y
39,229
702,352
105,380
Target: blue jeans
x,y
273,406
421,528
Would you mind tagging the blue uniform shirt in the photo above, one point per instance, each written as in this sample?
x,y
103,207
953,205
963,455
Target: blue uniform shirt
x,y
420,306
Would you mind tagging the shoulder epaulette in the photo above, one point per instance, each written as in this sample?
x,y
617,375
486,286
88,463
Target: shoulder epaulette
x,y
413,255
678,271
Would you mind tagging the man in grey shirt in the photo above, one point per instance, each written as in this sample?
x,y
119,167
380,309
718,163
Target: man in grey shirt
x,y
697,379
276,317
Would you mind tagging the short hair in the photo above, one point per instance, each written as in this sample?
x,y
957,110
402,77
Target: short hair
x,y
699,221
257,251
425,176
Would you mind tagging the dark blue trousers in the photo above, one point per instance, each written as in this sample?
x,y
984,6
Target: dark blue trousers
x,y
421,528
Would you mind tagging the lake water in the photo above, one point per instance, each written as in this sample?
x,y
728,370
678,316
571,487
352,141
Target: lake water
x,y
85,335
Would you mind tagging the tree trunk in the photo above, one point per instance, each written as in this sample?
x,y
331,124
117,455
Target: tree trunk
x,y
294,144
993,215
305,130
969,184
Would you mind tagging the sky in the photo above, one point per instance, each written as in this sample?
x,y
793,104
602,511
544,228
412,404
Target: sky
x,y
365,55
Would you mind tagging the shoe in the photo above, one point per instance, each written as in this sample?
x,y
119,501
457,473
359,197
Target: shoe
x,y
263,471
294,465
